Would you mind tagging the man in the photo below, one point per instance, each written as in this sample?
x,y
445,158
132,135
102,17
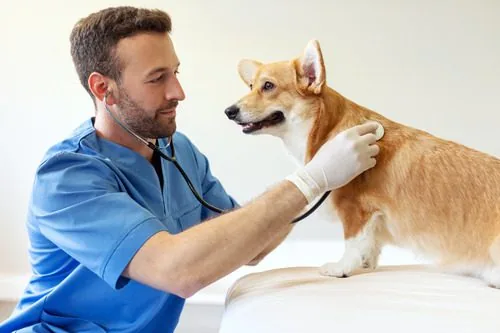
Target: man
x,y
116,239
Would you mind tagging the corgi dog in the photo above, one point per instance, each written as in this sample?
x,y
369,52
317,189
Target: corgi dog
x,y
432,196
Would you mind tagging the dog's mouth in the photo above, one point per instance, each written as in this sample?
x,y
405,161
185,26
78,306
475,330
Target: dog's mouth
x,y
273,119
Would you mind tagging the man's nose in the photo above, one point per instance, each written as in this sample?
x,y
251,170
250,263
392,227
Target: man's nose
x,y
232,111
174,90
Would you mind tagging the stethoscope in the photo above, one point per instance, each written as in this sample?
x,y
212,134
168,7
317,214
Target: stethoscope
x,y
173,160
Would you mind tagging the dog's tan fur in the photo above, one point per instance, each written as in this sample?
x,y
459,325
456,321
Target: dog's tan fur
x,y
433,196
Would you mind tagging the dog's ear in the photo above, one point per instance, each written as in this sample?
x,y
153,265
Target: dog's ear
x,y
311,68
247,69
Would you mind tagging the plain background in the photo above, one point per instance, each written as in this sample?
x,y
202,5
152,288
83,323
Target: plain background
x,y
428,64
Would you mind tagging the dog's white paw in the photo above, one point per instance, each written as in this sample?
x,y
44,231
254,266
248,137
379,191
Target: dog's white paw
x,y
371,261
337,269
492,277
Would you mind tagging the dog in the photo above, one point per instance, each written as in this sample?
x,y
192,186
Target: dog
x,y
435,197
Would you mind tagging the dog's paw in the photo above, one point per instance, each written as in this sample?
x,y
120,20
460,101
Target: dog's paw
x,y
492,277
337,269
370,262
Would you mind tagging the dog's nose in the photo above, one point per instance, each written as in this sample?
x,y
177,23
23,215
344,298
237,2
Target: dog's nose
x,y
232,111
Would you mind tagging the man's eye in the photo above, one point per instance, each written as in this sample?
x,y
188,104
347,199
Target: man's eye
x,y
268,86
158,79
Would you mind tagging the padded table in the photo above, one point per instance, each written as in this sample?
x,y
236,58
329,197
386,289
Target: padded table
x,y
406,299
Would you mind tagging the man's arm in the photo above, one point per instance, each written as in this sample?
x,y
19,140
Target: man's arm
x,y
276,241
184,263
280,237
214,192
187,262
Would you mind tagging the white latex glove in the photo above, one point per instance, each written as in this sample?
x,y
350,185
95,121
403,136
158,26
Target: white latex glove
x,y
339,160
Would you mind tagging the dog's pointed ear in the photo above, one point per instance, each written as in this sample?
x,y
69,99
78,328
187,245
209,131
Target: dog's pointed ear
x,y
247,69
311,68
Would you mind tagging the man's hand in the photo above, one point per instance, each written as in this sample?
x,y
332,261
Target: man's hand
x,y
338,161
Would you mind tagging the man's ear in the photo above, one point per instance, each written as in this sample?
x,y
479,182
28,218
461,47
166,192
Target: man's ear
x,y
101,86
311,68
247,69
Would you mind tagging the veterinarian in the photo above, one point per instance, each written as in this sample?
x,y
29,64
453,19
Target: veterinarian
x,y
116,239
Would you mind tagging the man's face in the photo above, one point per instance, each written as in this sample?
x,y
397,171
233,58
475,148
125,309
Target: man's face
x,y
148,91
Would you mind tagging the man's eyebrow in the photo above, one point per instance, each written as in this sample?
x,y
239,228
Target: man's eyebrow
x,y
159,69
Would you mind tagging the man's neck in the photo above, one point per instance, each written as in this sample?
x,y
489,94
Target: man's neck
x,y
108,129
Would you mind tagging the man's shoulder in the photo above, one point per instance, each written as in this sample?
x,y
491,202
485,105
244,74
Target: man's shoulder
x,y
71,147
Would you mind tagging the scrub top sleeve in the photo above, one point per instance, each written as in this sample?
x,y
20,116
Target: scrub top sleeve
x,y
78,206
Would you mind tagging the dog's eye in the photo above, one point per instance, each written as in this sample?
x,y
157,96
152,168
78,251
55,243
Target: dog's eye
x,y
268,85
251,86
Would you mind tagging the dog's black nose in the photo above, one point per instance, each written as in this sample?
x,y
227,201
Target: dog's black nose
x,y
232,111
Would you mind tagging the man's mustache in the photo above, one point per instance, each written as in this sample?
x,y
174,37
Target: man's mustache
x,y
170,105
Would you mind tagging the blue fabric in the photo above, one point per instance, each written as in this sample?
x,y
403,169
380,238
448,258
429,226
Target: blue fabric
x,y
94,204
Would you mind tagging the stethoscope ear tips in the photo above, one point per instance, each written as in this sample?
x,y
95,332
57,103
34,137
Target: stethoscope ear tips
x,y
108,92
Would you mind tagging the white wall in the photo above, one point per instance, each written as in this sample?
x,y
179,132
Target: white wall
x,y
429,64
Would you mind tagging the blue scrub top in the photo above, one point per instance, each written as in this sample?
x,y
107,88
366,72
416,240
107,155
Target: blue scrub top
x,y
94,204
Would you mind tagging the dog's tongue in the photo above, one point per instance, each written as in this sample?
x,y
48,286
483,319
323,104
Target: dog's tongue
x,y
250,127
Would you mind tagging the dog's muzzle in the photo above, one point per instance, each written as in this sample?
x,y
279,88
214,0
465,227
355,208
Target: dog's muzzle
x,y
234,114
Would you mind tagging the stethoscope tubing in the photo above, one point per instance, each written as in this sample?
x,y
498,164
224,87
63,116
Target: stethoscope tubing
x,y
174,161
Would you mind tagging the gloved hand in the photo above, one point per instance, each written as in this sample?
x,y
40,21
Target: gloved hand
x,y
339,160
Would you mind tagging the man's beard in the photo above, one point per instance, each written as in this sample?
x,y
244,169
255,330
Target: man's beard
x,y
143,122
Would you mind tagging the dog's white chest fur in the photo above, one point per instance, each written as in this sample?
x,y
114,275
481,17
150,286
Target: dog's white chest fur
x,y
295,136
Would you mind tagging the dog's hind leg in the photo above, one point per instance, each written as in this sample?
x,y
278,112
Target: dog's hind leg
x,y
492,275
363,242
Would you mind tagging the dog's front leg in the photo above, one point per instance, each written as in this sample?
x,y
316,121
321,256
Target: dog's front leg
x,y
363,243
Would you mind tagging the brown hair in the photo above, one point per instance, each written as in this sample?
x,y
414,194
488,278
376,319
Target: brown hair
x,y
94,38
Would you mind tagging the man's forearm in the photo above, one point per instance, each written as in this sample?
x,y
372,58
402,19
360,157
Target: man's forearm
x,y
193,259
280,237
